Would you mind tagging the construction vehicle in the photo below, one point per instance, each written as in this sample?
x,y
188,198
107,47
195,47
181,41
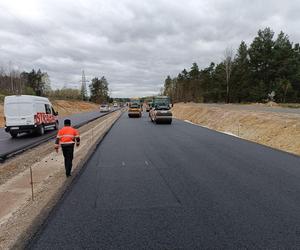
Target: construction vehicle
x,y
160,111
134,108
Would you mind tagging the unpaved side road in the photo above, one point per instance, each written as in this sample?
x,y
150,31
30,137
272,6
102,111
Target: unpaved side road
x,y
20,216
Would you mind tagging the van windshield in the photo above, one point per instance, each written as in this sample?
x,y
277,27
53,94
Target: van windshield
x,y
18,109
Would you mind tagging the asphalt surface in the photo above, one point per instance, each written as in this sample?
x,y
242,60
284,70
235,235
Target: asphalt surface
x,y
178,186
8,144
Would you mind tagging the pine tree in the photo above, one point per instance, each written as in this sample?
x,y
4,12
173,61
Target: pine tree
x,y
241,75
262,63
99,90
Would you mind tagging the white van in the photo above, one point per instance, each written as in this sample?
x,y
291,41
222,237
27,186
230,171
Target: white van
x,y
104,108
26,113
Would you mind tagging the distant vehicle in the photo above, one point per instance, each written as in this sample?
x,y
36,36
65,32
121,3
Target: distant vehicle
x,y
116,105
134,110
104,108
26,113
160,111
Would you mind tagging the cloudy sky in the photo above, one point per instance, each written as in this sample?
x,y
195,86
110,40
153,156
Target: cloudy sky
x,y
135,44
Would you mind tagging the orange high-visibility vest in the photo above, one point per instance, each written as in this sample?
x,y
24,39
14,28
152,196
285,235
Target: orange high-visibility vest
x,y
67,135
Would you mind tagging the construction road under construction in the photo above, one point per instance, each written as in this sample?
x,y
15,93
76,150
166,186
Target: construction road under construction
x,y
177,186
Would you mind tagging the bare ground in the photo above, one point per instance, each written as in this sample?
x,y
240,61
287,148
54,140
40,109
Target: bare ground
x,y
280,130
20,216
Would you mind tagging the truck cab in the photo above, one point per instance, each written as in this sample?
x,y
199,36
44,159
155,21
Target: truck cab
x,y
160,111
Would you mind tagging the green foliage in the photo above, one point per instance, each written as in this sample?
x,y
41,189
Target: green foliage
x,y
2,98
65,94
241,84
29,91
16,83
37,81
99,90
268,66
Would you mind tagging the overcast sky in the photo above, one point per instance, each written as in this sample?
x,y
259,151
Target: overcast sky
x,y
135,44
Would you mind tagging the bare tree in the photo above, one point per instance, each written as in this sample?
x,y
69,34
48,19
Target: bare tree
x,y
228,59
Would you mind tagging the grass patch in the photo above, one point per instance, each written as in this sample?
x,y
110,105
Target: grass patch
x,y
2,98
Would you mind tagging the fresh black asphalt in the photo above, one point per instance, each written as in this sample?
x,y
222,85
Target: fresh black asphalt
x,y
8,144
178,186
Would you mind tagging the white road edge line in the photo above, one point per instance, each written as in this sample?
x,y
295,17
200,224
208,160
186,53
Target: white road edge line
x,y
227,133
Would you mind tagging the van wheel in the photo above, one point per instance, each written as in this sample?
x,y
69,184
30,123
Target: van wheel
x,y
13,134
56,126
41,130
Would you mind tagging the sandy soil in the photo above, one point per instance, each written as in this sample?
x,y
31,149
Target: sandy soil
x,y
63,107
20,216
277,130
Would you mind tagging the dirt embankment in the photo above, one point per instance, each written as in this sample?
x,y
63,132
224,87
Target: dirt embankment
x,y
63,107
277,130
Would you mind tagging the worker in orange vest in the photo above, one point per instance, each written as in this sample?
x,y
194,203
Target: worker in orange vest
x,y
67,137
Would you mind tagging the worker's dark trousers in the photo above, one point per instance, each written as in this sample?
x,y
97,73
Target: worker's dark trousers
x,y
68,152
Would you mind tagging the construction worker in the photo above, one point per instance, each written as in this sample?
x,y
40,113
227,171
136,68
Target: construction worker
x,y
67,137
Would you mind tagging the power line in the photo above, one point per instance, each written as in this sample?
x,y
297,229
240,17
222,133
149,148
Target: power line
x,y
83,86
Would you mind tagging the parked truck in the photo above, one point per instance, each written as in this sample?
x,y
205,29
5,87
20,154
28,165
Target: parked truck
x,y
160,111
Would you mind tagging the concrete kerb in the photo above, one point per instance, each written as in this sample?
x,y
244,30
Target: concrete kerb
x,y
41,220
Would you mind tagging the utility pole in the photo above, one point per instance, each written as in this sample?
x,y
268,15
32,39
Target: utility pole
x,y
83,87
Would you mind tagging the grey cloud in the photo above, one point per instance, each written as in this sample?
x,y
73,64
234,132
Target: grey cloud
x,y
135,44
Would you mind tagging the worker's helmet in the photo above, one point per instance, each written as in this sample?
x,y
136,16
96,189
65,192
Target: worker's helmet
x,y
67,122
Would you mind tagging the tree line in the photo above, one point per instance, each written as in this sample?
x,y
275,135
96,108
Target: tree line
x,y
267,70
14,82
36,82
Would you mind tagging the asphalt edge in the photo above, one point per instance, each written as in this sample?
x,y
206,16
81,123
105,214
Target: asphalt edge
x,y
29,236
240,138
